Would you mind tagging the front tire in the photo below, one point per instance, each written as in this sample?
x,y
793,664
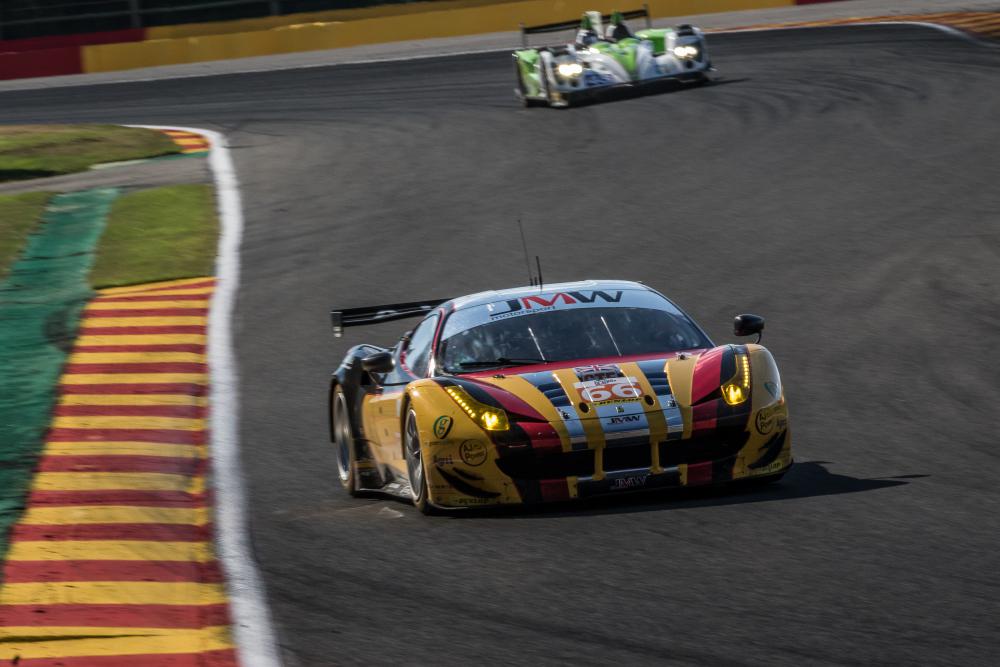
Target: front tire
x,y
343,440
415,464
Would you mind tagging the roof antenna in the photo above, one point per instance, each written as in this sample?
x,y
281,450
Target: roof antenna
x,y
527,260
538,263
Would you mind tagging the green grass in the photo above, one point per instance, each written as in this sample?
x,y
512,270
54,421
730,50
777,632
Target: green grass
x,y
163,233
34,151
18,215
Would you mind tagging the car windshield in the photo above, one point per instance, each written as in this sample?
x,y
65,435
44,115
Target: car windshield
x,y
565,332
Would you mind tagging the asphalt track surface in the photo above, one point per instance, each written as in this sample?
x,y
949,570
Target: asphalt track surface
x,y
841,182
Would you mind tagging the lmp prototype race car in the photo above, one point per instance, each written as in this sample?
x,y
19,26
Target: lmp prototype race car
x,y
531,395
602,58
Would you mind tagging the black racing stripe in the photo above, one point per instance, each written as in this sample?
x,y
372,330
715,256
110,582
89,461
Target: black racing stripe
x,y
771,449
728,365
551,389
462,486
630,441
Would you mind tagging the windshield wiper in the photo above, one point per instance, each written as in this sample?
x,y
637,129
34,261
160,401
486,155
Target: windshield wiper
x,y
503,361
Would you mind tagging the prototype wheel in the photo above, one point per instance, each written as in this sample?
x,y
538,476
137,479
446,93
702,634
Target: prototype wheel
x,y
415,464
343,440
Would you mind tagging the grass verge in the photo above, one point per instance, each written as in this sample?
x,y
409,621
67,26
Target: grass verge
x,y
34,151
163,233
18,215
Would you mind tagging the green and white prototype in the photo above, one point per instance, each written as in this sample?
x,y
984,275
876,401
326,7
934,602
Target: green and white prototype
x,y
607,54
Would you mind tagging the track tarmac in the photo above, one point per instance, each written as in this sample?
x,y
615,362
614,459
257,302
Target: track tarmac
x,y
841,182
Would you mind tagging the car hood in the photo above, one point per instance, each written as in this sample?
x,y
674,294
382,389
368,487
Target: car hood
x,y
620,398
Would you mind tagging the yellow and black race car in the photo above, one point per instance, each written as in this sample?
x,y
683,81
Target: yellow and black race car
x,y
541,394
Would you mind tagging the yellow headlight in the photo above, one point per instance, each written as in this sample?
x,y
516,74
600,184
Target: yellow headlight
x,y
490,418
734,394
738,389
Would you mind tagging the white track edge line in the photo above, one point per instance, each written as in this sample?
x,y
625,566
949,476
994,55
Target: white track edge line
x,y
955,32
253,631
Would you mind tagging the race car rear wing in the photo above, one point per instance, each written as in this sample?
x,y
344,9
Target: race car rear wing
x,y
356,317
567,25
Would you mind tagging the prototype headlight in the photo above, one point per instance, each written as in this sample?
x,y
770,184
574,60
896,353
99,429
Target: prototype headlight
x,y
569,70
686,51
737,390
490,418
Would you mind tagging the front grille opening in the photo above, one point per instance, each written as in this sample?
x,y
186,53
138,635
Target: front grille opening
x,y
529,465
627,458
718,445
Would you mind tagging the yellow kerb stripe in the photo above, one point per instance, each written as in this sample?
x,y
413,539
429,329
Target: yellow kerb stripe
x,y
108,641
117,481
112,592
131,399
146,287
157,423
124,449
134,378
200,552
81,514
145,305
142,339
134,357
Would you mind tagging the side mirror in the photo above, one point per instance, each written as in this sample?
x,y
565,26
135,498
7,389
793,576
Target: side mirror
x,y
380,362
748,324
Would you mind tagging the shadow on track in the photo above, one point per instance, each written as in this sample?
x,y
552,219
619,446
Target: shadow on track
x,y
647,90
805,480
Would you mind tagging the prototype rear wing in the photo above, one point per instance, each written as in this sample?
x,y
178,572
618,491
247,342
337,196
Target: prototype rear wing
x,y
567,25
356,317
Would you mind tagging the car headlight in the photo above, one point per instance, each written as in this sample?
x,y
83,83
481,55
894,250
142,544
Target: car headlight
x,y
490,418
569,70
737,390
686,51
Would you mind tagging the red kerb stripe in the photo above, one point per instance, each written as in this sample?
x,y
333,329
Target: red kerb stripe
x,y
166,436
190,411
146,532
27,571
160,464
152,297
152,367
168,388
87,330
217,658
196,348
115,615
121,497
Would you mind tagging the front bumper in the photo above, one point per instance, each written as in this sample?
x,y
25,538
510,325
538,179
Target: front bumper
x,y
518,473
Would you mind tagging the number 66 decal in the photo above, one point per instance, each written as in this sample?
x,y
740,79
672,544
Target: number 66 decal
x,y
600,391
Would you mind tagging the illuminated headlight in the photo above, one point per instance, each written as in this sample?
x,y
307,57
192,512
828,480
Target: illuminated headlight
x,y
569,70
490,418
737,390
686,51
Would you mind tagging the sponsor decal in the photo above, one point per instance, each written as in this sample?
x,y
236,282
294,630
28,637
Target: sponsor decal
x,y
626,419
613,390
596,372
473,452
442,426
770,418
539,303
630,482
773,467
445,460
